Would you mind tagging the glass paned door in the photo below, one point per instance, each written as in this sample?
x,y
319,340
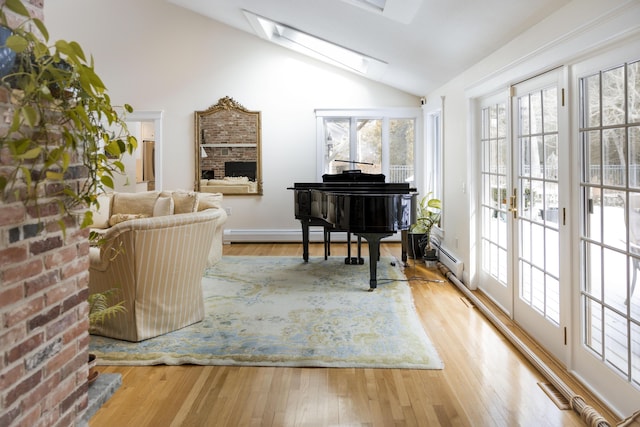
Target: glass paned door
x,y
495,195
540,219
610,238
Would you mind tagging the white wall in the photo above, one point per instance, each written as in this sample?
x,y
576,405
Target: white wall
x,y
156,56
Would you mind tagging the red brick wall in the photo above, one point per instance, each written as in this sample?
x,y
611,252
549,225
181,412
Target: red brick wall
x,y
227,127
43,309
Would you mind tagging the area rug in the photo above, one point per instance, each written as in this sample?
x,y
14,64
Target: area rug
x,y
281,311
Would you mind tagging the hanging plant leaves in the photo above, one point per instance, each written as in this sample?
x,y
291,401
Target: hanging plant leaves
x,y
61,114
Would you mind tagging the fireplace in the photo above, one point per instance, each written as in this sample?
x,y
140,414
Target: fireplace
x,y
247,169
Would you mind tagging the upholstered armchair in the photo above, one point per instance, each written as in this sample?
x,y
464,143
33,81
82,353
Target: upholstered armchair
x,y
157,263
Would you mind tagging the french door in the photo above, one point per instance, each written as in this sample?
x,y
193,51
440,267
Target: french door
x,y
524,219
608,352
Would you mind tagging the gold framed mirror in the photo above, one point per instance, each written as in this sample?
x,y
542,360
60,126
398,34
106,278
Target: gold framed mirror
x,y
228,148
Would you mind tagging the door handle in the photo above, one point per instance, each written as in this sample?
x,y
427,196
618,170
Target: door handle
x,y
513,204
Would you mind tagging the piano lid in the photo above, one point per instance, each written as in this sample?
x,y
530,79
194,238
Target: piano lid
x,y
355,175
355,187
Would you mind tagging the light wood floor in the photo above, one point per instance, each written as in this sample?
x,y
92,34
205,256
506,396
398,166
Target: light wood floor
x,y
485,381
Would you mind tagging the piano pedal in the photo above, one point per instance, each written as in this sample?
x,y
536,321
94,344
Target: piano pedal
x,y
354,260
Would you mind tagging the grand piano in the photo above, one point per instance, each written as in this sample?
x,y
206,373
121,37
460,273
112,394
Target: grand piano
x,y
358,203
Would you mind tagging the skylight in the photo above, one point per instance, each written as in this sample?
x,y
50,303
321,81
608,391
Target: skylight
x,y
402,11
315,47
377,4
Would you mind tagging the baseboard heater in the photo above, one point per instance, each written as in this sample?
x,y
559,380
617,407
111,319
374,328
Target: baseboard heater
x,y
449,259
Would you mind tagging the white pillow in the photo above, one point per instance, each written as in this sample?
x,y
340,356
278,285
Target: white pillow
x,y
163,206
134,203
185,201
101,215
209,200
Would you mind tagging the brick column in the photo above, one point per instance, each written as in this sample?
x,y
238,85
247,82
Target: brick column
x,y
43,304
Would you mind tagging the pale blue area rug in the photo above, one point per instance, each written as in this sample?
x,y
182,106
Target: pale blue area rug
x,y
281,311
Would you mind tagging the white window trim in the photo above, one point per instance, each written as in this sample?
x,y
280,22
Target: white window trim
x,y
383,114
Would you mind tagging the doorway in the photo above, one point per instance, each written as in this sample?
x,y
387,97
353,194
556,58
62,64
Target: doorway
x,y
524,229
143,169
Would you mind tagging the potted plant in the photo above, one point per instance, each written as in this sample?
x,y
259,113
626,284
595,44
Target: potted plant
x,y
427,215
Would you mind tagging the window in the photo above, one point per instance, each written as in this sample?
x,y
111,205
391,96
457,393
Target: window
x,y
373,141
434,154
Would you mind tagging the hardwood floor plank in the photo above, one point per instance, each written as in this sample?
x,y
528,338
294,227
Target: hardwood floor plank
x,y
485,381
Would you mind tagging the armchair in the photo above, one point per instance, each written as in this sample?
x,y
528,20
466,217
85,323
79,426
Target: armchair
x,y
157,262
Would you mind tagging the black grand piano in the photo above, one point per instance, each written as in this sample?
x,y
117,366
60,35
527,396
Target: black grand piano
x,y
358,203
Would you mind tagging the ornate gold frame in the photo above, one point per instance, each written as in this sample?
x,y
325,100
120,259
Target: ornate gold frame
x,y
230,127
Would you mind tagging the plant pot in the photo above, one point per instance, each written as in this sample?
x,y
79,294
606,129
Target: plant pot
x,y
415,247
430,254
7,55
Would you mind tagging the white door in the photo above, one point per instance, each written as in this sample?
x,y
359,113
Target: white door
x,y
540,193
495,176
524,223
608,127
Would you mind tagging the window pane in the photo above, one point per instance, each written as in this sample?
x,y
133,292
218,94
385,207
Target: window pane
x,y
369,145
593,220
616,340
613,97
536,112
524,115
613,232
502,121
525,155
593,266
537,157
551,157
336,144
615,150
591,101
594,154
401,143
615,279
550,99
493,123
593,326
633,73
634,156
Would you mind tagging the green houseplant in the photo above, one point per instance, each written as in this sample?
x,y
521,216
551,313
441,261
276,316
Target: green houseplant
x,y
427,215
102,306
60,116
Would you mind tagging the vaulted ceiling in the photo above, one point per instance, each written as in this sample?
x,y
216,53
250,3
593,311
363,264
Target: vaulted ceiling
x,y
424,42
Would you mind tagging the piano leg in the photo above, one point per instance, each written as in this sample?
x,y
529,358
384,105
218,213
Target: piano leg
x,y
404,238
305,241
327,243
374,255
